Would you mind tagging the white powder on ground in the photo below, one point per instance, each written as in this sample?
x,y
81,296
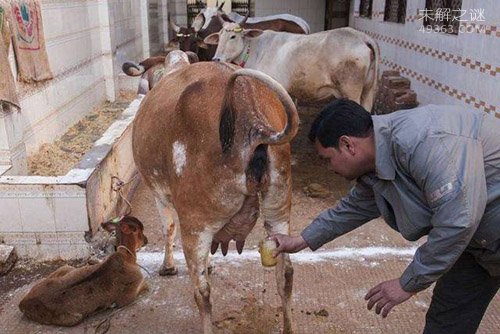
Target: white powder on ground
x,y
154,259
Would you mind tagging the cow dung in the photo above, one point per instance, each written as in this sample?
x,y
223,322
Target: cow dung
x,y
316,190
8,258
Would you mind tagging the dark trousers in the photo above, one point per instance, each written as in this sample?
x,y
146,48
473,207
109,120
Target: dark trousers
x,y
460,298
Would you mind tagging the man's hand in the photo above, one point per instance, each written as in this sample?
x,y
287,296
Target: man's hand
x,y
287,244
386,295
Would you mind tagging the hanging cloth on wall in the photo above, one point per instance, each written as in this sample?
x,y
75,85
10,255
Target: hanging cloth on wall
x,y
29,41
7,83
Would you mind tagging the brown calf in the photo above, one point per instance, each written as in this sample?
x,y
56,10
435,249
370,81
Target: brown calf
x,y
70,294
152,69
212,141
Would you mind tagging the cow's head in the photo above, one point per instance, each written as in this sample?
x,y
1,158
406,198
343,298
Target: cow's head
x,y
207,13
128,229
231,40
187,37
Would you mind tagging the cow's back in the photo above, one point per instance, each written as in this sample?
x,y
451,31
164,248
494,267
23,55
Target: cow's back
x,y
82,291
180,118
307,63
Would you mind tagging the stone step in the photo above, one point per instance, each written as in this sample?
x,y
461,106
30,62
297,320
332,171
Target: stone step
x,y
390,73
408,97
396,93
396,82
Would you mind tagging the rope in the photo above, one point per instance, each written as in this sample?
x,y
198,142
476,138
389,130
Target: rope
x,y
117,185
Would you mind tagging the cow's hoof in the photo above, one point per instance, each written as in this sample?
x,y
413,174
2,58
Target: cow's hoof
x,y
168,271
211,269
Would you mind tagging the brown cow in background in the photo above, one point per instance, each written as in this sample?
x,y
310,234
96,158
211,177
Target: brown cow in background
x,y
152,69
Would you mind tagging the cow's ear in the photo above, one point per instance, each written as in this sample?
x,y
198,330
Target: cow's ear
x,y
212,39
109,226
127,229
198,22
252,33
193,57
201,44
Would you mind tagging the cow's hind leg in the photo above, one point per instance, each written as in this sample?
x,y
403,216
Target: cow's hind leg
x,y
275,208
350,77
371,83
169,224
61,271
284,274
67,319
196,246
369,92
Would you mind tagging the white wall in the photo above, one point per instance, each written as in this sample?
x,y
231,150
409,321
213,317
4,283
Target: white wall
x,y
87,41
461,69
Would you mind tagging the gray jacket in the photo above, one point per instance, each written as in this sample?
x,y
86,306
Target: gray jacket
x,y
437,174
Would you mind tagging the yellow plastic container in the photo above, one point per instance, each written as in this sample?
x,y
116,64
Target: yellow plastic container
x,y
266,248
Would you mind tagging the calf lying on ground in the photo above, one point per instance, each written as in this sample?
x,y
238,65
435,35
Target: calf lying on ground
x,y
70,294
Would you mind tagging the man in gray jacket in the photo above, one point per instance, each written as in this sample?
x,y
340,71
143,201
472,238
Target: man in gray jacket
x,y
433,170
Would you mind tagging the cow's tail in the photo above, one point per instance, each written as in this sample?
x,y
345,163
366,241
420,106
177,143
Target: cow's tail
x,y
265,133
132,69
374,64
371,82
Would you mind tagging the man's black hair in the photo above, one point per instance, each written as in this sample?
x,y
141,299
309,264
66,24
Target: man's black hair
x,y
338,118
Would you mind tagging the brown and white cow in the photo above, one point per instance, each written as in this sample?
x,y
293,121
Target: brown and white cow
x,y
209,141
312,68
152,69
70,294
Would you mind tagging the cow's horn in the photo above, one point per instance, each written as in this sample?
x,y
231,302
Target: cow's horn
x,y
244,19
268,135
132,69
220,6
221,20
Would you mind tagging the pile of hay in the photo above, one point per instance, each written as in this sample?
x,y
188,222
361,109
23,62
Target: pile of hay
x,y
59,157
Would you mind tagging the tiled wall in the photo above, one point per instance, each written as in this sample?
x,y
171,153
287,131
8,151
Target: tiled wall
x,y
125,27
313,11
461,69
158,23
87,41
44,221
47,217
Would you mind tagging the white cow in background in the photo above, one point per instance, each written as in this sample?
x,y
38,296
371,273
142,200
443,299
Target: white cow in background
x,y
339,63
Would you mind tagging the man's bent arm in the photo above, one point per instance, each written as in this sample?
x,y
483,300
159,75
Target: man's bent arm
x,y
351,212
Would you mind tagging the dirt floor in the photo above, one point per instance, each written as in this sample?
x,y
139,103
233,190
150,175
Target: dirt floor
x,y
329,284
59,157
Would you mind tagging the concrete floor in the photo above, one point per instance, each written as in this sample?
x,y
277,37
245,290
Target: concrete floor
x,y
329,285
